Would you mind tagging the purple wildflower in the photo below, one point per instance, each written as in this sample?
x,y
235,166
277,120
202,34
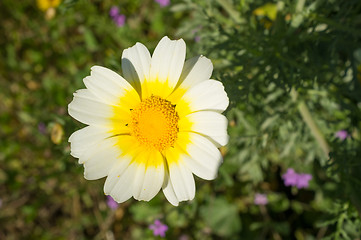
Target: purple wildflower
x,y
119,20
260,199
158,228
197,38
114,11
303,179
111,203
299,180
290,177
163,3
342,134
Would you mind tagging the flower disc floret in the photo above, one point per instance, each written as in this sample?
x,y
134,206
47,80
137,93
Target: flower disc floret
x,y
154,123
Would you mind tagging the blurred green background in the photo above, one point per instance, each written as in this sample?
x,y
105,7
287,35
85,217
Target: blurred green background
x,y
291,68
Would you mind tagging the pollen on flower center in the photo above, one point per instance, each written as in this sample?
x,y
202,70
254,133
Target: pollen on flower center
x,y
154,123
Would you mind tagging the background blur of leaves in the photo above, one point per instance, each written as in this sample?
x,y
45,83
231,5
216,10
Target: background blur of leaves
x,y
275,58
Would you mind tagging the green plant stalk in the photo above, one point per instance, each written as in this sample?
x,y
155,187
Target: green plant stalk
x,y
229,8
307,118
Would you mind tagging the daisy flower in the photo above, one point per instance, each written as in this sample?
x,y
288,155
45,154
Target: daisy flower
x,y
154,128
47,4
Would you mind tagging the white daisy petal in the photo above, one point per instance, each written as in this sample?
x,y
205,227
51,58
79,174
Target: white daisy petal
x,y
85,138
138,181
113,177
148,179
119,182
208,123
88,109
207,95
136,64
168,190
167,61
100,159
195,70
182,181
107,84
202,158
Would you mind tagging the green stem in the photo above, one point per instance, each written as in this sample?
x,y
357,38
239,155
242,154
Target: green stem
x,y
229,8
307,118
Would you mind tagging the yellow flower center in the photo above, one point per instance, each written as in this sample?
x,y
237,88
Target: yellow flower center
x,y
154,123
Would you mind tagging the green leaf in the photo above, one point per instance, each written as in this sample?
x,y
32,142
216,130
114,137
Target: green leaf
x,y
90,41
222,217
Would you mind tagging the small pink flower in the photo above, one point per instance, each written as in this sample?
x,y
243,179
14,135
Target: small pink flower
x,y
114,11
290,177
303,179
260,199
299,180
163,3
342,134
119,20
111,203
158,228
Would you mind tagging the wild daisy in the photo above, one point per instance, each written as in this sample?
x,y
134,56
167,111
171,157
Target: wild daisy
x,y
153,128
47,4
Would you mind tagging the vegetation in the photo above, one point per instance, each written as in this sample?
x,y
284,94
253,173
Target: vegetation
x,y
292,71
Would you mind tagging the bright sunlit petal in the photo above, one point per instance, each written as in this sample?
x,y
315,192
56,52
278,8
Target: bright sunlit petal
x,y
88,109
150,175
106,84
166,67
196,70
207,123
202,157
168,191
99,159
85,138
136,64
198,98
